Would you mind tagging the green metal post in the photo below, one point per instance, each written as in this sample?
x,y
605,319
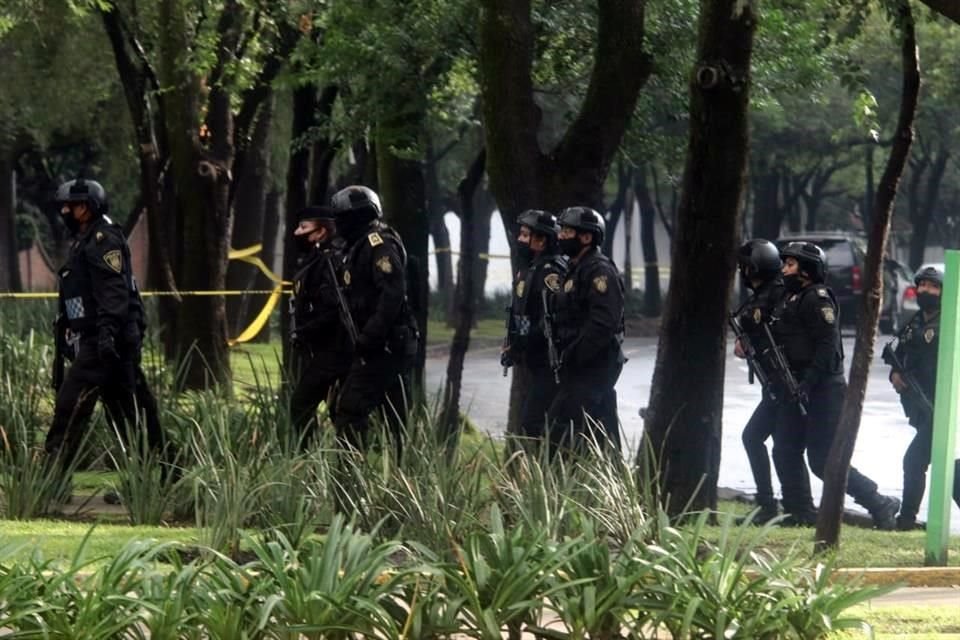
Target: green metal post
x,y
944,417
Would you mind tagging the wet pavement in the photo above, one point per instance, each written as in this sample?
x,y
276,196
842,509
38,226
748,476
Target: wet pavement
x,y
884,432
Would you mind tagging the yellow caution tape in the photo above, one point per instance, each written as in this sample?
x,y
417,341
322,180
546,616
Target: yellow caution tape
x,y
262,318
481,256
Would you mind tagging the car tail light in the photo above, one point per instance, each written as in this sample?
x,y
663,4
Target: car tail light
x,y
910,293
856,279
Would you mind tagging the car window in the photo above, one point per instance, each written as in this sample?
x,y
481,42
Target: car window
x,y
839,253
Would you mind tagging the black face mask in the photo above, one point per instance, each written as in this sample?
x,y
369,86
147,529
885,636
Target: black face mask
x,y
570,246
71,223
792,283
928,301
304,244
524,252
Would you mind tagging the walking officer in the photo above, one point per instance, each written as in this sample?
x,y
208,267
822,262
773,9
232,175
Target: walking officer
x,y
102,318
913,375
374,282
760,271
322,346
531,342
589,314
808,329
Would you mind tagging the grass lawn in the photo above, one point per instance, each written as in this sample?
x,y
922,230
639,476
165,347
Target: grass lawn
x,y
914,623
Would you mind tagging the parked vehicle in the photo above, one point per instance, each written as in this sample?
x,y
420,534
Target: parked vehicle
x,y
846,253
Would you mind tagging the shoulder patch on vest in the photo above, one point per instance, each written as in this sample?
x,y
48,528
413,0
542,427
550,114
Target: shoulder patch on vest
x,y
822,292
346,278
568,286
929,335
552,281
828,315
114,260
374,239
384,265
757,315
600,284
521,287
99,236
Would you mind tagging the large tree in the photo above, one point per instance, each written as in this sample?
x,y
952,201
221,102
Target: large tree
x,y
523,174
684,428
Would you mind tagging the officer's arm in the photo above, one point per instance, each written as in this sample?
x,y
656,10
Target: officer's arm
x,y
110,291
605,300
819,316
389,279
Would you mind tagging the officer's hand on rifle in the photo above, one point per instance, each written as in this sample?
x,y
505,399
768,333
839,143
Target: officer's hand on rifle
x,y
898,383
506,359
107,348
738,349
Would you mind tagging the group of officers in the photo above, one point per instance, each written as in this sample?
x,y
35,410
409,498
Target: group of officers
x,y
356,340
353,331
789,330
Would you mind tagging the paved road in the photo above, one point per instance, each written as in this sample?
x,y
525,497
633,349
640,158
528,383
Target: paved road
x,y
884,432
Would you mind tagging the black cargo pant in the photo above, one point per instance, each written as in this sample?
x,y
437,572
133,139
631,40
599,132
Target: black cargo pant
x,y
541,389
759,428
374,383
320,374
814,433
585,400
125,393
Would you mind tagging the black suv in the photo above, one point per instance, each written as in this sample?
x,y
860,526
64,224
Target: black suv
x,y
846,253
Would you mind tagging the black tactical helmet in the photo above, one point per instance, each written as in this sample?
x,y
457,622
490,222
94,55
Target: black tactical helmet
x,y
359,200
811,259
931,273
584,219
539,222
759,259
317,212
80,190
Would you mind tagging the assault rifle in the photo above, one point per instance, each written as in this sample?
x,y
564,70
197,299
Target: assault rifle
x,y
552,355
59,351
754,366
505,360
783,372
345,317
890,357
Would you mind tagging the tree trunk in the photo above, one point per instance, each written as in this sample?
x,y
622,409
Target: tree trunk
x,y
616,209
767,213
838,462
203,180
298,178
926,208
441,236
249,211
403,193
271,227
521,175
9,254
628,242
648,244
450,422
483,207
684,428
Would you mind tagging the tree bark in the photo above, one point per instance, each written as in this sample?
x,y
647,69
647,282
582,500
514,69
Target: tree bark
x,y
949,9
249,213
9,254
484,205
442,257
648,243
926,207
521,175
298,179
838,462
403,194
684,428
466,303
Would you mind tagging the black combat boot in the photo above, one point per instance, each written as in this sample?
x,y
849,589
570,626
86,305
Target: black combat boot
x,y
765,512
884,510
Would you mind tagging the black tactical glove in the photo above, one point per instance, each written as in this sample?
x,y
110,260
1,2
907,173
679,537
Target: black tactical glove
x,y
107,347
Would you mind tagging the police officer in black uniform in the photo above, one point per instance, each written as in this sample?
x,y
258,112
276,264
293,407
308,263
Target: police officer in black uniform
x,y
374,282
808,328
589,314
538,279
322,347
915,363
104,322
760,271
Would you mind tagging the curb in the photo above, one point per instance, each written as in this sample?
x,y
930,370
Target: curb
x,y
943,577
